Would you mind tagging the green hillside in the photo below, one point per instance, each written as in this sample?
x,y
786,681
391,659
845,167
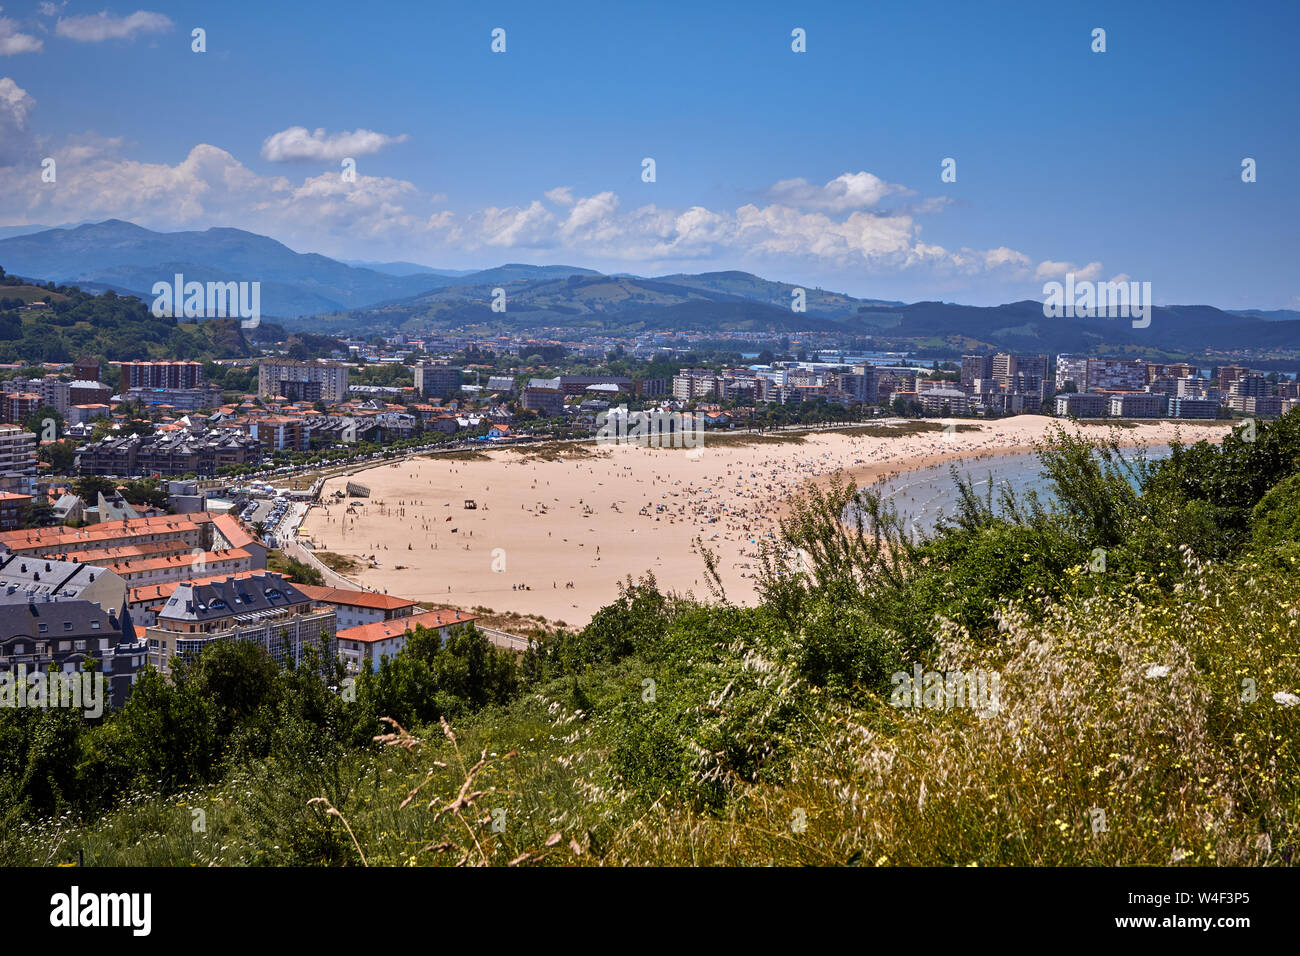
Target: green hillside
x,y
108,326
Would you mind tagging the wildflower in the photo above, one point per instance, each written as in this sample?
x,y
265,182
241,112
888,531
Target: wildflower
x,y
1286,699
1157,670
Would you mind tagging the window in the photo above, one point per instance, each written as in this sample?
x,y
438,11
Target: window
x,y
67,625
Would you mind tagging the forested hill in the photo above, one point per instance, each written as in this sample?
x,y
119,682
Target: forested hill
x,y
73,323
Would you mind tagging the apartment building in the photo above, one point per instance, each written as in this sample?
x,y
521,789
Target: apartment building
x,y
161,375
1251,385
437,380
49,391
144,538
82,392
365,646
1081,405
144,601
945,401
358,608
695,383
975,367
1137,405
17,459
13,509
264,608
55,615
273,375
180,399
1264,406
547,402
19,406
1031,369
1229,374
1180,407
169,453
1100,374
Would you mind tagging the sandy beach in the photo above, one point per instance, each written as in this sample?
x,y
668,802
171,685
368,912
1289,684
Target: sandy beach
x,y
554,537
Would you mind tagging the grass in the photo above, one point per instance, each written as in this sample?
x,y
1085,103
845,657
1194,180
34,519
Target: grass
x,y
339,563
553,452
1123,737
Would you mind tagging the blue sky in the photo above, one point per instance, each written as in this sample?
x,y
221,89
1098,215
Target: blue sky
x,y
821,168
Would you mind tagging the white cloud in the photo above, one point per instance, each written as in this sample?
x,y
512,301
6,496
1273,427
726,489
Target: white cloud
x,y
49,9
560,195
210,187
1047,269
1002,256
860,190
297,143
97,27
528,227
15,104
12,41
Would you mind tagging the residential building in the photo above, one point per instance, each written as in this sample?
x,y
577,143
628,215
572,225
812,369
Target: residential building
x,y
976,367
17,459
1180,407
273,374
161,375
945,401
1081,405
1137,405
55,615
13,509
357,608
366,645
264,609
547,402
437,380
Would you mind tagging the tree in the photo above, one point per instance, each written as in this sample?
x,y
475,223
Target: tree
x,y
36,423
40,514
61,456
88,488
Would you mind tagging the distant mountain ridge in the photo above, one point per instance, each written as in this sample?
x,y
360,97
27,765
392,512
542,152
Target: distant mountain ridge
x,y
125,256
308,291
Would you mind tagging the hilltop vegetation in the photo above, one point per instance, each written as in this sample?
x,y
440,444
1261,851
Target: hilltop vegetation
x,y
1143,627
109,326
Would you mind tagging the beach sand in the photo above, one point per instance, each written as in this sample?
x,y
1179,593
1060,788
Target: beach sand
x,y
554,537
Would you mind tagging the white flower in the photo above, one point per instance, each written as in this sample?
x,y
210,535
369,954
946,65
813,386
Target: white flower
x,y
1286,699
1157,670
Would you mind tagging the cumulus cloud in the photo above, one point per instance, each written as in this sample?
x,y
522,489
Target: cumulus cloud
x,y
1047,269
13,41
48,9
15,104
98,27
860,190
839,226
560,195
297,143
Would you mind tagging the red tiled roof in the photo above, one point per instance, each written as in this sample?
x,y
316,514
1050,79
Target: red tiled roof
x,y
382,630
382,602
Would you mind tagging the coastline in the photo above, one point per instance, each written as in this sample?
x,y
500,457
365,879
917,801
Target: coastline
x,y
554,532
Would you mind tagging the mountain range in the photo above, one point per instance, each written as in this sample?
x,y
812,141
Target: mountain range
x,y
311,292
